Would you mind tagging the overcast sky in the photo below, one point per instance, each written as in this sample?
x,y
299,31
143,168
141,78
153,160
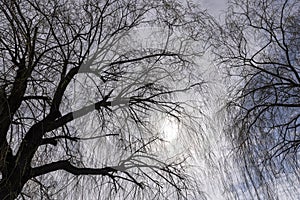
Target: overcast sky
x,y
214,7
210,175
212,183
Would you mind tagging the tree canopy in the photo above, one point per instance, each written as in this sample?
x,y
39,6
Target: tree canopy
x,y
80,81
260,52
118,99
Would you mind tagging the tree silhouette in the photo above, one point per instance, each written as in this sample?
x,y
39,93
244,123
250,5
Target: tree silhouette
x,y
259,47
79,84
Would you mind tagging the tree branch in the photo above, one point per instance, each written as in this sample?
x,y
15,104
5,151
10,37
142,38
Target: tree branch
x,y
68,167
76,114
165,54
53,140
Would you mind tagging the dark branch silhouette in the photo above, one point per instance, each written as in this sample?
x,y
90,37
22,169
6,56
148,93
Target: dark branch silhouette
x,y
78,85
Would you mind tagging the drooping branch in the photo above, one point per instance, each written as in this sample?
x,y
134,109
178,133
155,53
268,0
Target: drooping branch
x,y
77,171
67,166
76,114
53,140
163,54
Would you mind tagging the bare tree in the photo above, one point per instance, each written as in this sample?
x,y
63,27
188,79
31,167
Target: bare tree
x,y
79,84
260,44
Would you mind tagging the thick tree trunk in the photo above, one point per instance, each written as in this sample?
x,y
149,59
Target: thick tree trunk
x,y
10,190
13,180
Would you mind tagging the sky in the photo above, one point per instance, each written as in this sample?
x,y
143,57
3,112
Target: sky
x,y
213,174
210,174
214,7
212,183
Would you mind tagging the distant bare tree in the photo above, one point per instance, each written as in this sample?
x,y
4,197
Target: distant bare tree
x,y
259,46
79,84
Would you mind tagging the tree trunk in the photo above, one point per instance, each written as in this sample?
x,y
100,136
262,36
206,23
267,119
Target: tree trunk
x,y
13,181
9,190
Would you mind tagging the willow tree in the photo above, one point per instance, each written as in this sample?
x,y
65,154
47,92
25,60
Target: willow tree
x,y
259,47
80,84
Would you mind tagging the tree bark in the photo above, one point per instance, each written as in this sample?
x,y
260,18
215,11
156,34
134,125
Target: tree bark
x,y
11,185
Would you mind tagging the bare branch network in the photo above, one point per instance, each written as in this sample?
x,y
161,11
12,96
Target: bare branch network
x,y
85,87
79,85
259,48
